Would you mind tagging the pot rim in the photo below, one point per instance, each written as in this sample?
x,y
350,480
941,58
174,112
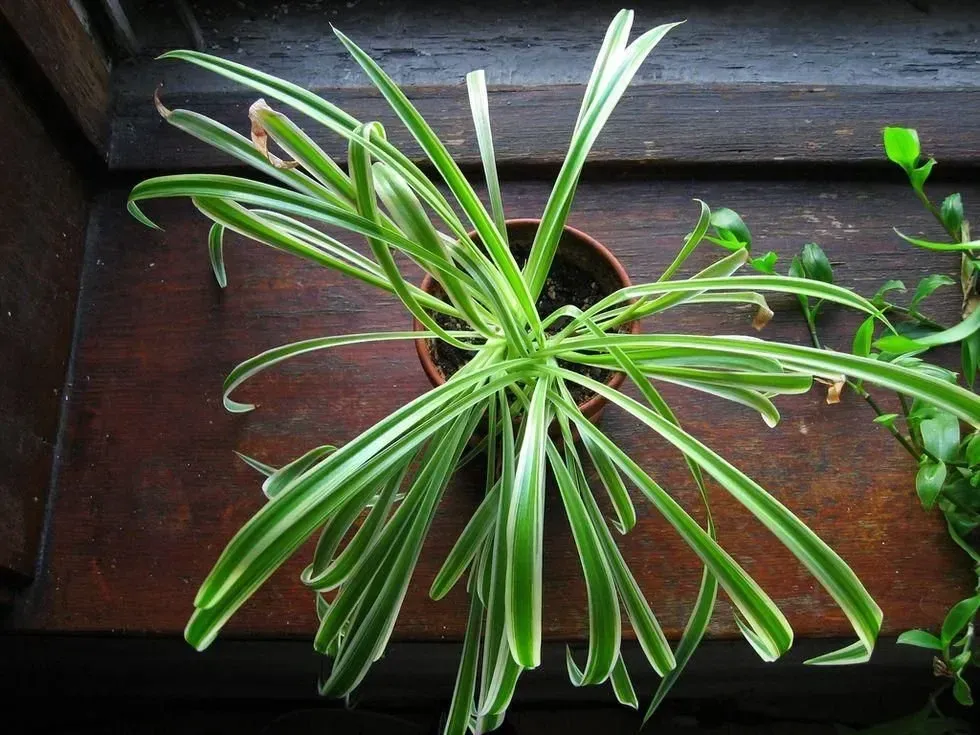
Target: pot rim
x,y
596,403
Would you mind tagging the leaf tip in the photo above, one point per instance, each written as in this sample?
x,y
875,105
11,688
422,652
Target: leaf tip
x,y
834,391
236,407
198,633
762,317
133,208
180,54
165,112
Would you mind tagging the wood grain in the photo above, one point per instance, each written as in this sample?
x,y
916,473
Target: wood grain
x,y
884,42
149,491
42,228
60,44
663,124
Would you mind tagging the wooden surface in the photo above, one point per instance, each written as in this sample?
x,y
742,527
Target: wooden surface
x,y
770,109
43,212
921,43
661,124
60,44
705,96
149,491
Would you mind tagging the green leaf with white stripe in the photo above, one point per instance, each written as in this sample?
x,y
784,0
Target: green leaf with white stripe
x,y
525,535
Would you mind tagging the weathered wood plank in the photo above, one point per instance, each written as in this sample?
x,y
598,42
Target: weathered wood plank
x,y
886,42
150,491
42,229
61,45
666,125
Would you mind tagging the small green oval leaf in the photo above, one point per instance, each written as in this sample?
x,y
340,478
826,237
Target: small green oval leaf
x,y
961,690
921,639
973,450
902,146
929,482
816,266
941,436
951,213
863,337
958,617
927,286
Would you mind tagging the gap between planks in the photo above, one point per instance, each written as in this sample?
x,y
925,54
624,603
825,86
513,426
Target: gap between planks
x,y
781,126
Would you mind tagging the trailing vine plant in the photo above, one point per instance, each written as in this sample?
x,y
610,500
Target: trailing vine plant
x,y
948,477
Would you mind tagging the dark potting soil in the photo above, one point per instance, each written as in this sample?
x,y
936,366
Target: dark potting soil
x,y
567,283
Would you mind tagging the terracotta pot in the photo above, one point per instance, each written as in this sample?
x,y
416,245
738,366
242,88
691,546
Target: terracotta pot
x,y
575,246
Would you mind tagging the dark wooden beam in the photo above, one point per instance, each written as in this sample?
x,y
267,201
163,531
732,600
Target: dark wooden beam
x,y
884,42
43,214
668,124
724,674
59,43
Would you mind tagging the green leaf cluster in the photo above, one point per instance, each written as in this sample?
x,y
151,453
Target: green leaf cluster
x,y
371,501
948,474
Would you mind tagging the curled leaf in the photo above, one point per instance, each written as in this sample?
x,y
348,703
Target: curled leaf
x,y
951,213
766,263
918,176
834,391
260,138
886,419
732,232
762,317
165,112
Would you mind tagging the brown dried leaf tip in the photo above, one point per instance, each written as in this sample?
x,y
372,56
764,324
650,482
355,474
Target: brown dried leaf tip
x,y
762,317
970,305
834,390
260,138
164,112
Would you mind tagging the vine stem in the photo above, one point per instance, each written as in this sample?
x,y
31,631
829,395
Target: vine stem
x,y
914,451
934,210
899,437
917,316
933,698
905,405
813,332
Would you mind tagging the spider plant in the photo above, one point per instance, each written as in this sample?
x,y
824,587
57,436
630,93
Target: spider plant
x,y
381,489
